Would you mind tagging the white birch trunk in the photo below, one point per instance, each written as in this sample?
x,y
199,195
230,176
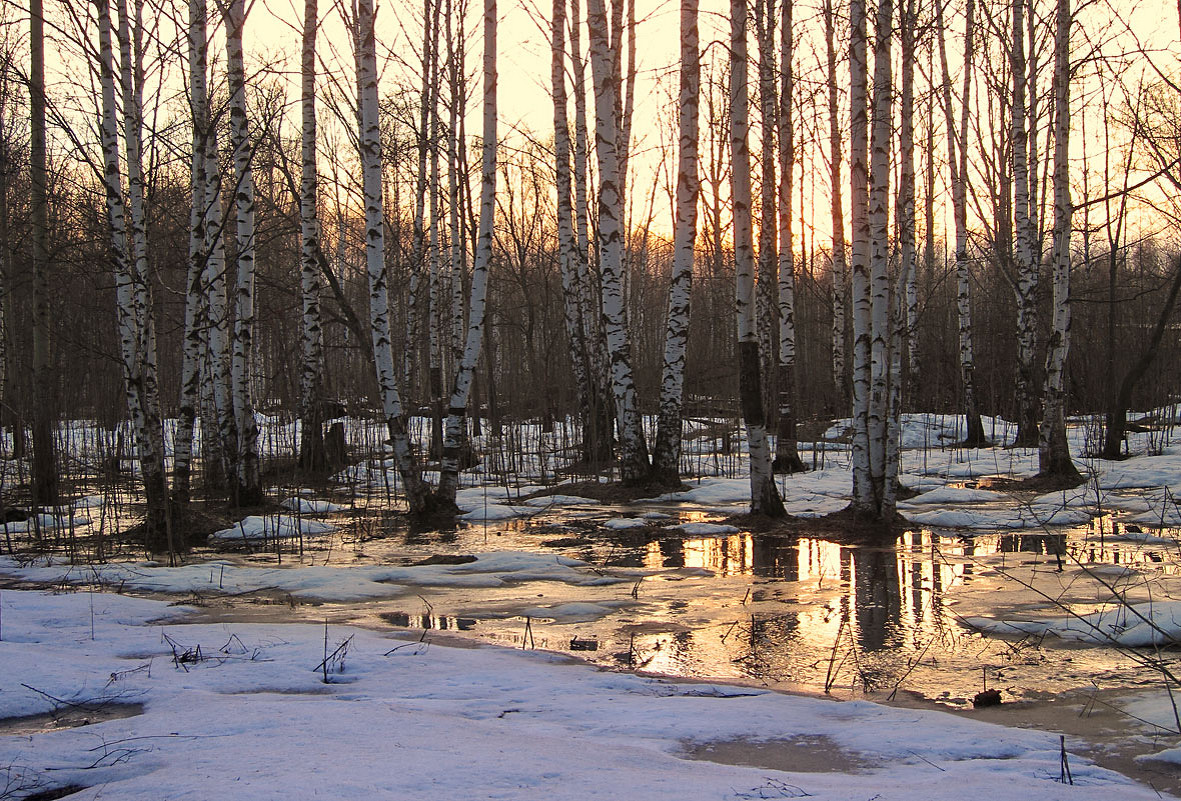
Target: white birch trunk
x,y
839,266
957,145
455,429
311,444
879,219
195,317
1053,450
633,451
787,457
129,251
1025,265
379,313
569,256
248,485
863,502
907,291
767,283
666,456
764,496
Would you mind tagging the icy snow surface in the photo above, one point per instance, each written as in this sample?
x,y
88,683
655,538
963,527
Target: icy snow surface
x,y
250,717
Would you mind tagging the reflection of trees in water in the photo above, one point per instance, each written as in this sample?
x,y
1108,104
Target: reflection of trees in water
x,y
877,596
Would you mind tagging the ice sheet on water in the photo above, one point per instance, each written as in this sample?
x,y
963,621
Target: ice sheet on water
x,y
1137,625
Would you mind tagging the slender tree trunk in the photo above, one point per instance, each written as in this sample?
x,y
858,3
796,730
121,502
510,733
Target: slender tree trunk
x,y
248,484
568,255
312,456
864,502
787,456
957,145
879,260
129,251
600,440
666,457
633,450
1025,264
465,373
195,316
767,282
1053,449
383,357
45,478
907,305
839,267
764,496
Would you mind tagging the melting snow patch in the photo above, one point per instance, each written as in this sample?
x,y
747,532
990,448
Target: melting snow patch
x,y
308,506
705,529
620,523
261,527
1133,626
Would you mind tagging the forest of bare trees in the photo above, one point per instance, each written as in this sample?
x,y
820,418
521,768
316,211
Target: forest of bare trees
x,y
837,210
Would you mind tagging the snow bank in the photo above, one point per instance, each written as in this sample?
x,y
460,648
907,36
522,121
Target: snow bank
x,y
250,716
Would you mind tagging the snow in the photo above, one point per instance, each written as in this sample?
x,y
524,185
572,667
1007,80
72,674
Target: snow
x,y
547,501
310,506
319,582
705,529
623,523
1133,626
400,719
264,527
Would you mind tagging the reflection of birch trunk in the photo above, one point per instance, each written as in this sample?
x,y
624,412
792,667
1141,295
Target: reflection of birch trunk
x,y
311,444
787,457
379,313
455,428
764,496
666,456
248,485
1053,450
633,455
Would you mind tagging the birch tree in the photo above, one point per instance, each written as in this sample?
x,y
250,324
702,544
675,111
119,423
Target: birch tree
x,y
957,148
379,315
863,495
1025,264
193,348
764,495
787,457
248,483
455,429
137,338
836,154
880,297
633,449
666,456
1053,449
311,445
